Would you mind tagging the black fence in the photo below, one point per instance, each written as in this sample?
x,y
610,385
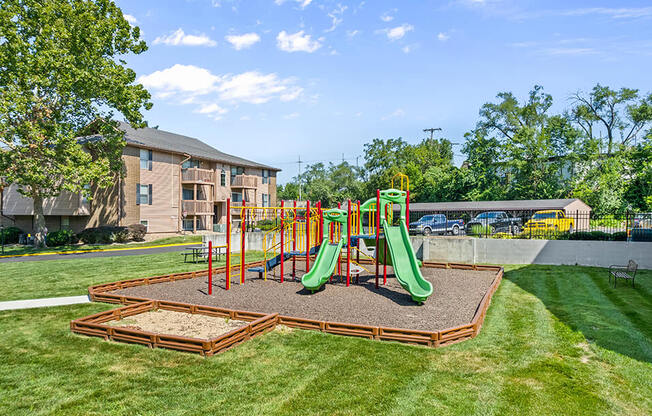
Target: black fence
x,y
548,225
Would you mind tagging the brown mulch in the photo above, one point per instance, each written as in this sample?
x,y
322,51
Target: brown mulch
x,y
456,295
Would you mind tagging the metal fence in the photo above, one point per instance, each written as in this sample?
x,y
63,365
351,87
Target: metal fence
x,y
549,225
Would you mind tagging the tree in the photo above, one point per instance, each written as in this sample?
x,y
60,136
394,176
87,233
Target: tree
x,y
63,68
528,159
619,111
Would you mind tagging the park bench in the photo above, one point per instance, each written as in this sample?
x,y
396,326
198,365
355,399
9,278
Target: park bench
x,y
627,272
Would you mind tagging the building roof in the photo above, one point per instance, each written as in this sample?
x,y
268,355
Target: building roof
x,y
177,143
512,205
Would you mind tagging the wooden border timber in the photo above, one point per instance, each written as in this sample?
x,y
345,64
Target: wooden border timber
x,y
93,324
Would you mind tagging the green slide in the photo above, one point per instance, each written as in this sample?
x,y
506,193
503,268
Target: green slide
x,y
404,261
326,260
406,265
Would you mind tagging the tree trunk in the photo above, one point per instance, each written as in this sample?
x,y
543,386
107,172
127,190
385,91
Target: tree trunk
x,y
39,222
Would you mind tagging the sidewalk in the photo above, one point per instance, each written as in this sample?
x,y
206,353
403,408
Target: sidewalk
x,y
43,303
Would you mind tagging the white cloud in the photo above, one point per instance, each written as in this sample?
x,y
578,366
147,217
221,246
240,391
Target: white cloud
x,y
211,93
291,116
335,20
181,79
243,41
397,32
131,19
179,37
245,118
388,15
409,48
443,37
352,33
296,42
399,112
302,3
255,88
616,13
569,51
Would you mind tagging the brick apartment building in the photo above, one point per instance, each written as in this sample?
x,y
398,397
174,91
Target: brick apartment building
x,y
171,183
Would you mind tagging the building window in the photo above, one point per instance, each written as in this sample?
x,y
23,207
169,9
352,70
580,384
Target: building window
x,y
145,159
143,194
223,178
188,224
265,176
188,194
146,224
235,171
265,200
65,222
190,163
236,197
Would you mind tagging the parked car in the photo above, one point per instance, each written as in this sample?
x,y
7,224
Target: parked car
x,y
496,222
436,223
549,220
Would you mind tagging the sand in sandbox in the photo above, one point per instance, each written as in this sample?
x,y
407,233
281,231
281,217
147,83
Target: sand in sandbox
x,y
179,324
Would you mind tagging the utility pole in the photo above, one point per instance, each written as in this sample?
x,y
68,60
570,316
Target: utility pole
x,y
432,131
299,177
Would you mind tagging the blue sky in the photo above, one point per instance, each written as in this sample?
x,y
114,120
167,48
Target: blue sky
x,y
272,80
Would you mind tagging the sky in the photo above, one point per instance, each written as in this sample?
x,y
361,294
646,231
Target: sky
x,y
278,80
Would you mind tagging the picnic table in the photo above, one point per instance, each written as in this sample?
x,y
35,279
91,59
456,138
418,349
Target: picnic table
x,y
200,253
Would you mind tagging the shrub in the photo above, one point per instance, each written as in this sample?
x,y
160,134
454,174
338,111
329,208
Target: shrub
x,y
480,230
121,235
10,235
590,235
266,225
61,238
619,236
137,232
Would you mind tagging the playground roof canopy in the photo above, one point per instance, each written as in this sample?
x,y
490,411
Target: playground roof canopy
x,y
568,205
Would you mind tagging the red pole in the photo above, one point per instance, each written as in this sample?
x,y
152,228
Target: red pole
x,y
282,241
210,267
307,236
357,253
228,243
339,257
243,227
385,252
377,232
294,241
348,244
321,223
407,209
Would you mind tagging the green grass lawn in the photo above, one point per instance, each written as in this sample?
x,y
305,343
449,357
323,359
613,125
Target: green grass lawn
x,y
18,249
50,278
556,340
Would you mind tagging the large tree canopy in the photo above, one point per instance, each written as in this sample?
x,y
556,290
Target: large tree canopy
x,y
63,70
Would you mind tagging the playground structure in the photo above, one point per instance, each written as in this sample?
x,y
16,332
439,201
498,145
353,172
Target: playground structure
x,y
333,238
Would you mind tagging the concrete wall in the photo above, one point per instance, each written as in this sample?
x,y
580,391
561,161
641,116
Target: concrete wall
x,y
496,251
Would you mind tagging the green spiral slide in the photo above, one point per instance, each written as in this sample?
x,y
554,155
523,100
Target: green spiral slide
x,y
326,260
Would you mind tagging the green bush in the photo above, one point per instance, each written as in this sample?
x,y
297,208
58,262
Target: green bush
x,y
607,221
480,229
590,235
122,235
266,225
60,238
10,235
137,232
619,236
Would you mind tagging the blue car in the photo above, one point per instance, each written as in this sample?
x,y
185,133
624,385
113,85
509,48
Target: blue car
x,y
436,223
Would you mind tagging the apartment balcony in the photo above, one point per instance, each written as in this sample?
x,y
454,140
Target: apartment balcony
x,y
197,207
196,175
245,181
